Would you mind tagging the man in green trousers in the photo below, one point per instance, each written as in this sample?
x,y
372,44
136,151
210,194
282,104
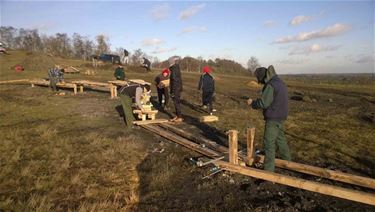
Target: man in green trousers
x,y
129,93
274,103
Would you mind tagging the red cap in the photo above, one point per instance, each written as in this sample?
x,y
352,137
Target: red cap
x,y
165,71
206,69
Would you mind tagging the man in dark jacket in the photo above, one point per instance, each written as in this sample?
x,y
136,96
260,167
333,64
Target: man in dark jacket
x,y
146,64
162,86
132,93
207,85
274,103
119,73
176,87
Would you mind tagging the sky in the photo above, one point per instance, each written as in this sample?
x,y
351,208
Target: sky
x,y
296,37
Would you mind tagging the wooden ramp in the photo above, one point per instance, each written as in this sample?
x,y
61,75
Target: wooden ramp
x,y
213,150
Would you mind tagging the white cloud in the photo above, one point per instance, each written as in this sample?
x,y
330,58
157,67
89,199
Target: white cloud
x,y
160,12
191,29
269,23
187,13
163,50
152,42
362,58
300,19
315,48
329,31
293,61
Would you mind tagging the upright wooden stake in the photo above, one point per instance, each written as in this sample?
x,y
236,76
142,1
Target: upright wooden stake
x,y
250,145
81,88
233,146
75,89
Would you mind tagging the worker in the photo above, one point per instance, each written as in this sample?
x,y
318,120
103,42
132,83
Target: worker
x,y
274,103
162,87
134,92
119,73
175,87
207,85
55,75
146,64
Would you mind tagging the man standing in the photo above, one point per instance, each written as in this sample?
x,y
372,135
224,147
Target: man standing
x,y
119,73
162,86
274,103
55,75
207,85
176,87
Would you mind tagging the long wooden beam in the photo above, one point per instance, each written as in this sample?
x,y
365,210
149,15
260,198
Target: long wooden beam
x,y
358,196
363,197
182,141
325,173
26,81
303,168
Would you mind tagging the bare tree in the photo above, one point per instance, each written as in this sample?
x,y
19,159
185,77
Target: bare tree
x,y
88,46
136,57
252,64
78,46
102,44
8,35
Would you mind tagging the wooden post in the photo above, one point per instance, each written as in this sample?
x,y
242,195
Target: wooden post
x,y
75,89
81,88
250,145
32,85
111,90
115,91
233,146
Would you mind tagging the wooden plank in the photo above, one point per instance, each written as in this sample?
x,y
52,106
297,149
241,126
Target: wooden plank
x,y
325,173
90,83
195,138
22,81
367,198
358,196
146,112
156,121
210,118
302,168
233,146
250,145
182,141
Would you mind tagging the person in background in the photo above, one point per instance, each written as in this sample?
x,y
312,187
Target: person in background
x,y
176,87
207,85
119,73
55,75
132,92
146,64
162,86
274,103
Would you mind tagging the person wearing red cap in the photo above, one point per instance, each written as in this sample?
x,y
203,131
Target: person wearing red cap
x,y
162,86
207,85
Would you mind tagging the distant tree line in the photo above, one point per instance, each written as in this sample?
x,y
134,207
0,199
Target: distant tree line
x,y
82,47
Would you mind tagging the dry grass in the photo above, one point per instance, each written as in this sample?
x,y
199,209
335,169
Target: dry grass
x,y
72,153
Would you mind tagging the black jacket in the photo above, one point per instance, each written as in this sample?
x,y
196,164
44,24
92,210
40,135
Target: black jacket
x,y
206,83
175,80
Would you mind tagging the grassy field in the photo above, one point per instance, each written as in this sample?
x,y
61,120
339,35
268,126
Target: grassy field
x,y
74,152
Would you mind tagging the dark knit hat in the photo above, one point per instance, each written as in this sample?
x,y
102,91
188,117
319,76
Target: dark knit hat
x,y
260,73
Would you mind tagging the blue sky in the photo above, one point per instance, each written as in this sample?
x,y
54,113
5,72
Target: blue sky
x,y
294,36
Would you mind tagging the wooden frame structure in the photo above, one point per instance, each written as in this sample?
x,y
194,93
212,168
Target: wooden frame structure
x,y
213,150
59,84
